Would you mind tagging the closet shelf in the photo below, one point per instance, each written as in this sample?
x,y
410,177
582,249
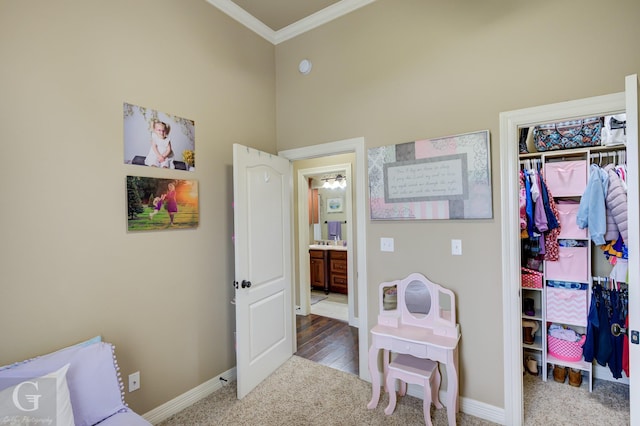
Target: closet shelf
x,y
572,151
579,365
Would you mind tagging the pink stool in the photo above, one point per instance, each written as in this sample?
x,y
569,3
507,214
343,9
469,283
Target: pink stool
x,y
418,371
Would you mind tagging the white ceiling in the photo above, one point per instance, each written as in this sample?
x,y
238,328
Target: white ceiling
x,y
281,20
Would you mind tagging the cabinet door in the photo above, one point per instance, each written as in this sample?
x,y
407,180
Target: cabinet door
x,y
317,268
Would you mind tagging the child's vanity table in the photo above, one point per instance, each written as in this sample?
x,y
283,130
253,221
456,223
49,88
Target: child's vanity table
x,y
417,317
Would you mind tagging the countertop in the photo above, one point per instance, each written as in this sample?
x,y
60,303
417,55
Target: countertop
x,y
326,247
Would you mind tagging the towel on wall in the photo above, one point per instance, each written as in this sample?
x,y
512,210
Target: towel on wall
x,y
317,232
334,229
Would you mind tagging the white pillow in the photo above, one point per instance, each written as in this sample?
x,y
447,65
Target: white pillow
x,y
36,401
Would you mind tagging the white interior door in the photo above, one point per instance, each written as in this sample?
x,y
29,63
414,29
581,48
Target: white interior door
x,y
633,180
262,228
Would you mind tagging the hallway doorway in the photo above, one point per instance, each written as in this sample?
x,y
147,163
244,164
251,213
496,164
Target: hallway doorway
x,y
312,230
358,275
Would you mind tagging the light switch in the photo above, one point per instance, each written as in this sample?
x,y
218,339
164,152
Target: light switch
x,y
456,247
386,244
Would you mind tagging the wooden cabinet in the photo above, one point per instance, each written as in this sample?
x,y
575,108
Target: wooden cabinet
x,y
318,269
328,270
338,271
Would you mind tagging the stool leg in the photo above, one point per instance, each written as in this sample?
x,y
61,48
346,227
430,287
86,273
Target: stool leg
x,y
392,394
403,388
435,388
426,404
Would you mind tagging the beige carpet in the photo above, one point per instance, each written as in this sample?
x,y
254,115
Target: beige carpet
x,y
302,392
553,403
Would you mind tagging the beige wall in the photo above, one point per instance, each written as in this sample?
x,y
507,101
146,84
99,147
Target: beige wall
x,y
391,72
69,268
398,71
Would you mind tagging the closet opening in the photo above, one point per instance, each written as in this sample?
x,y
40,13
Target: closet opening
x,y
531,295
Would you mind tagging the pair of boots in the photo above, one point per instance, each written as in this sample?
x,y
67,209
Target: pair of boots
x,y
560,373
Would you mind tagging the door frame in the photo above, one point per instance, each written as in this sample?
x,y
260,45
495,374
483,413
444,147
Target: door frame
x,y
355,145
509,171
303,236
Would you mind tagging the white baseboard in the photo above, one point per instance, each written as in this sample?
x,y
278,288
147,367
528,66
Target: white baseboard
x,y
179,403
188,398
468,406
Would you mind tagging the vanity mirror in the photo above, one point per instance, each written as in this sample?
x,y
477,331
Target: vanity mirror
x,y
417,299
419,302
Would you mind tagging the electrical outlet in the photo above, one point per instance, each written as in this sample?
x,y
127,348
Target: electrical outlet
x,y
134,381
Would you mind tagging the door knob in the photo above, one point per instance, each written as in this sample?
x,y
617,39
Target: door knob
x,y
246,284
616,330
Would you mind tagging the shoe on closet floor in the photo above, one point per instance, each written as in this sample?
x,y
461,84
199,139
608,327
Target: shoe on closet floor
x,y
575,377
559,373
531,366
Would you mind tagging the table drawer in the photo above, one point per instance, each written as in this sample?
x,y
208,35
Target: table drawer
x,y
410,348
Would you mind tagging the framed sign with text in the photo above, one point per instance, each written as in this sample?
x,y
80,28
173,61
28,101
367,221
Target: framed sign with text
x,y
443,178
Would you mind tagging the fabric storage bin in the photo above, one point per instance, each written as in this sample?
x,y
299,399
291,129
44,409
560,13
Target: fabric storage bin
x,y
567,306
567,213
572,265
565,350
530,278
566,178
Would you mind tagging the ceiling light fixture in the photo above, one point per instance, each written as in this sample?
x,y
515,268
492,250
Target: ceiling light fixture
x,y
336,182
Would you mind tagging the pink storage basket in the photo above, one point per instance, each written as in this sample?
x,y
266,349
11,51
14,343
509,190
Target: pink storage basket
x,y
531,278
567,306
572,265
565,350
567,213
566,178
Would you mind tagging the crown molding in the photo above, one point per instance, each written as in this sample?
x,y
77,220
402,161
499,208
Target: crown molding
x,y
245,18
310,22
321,17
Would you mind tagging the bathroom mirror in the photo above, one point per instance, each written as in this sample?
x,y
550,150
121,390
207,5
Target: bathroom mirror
x,y
417,299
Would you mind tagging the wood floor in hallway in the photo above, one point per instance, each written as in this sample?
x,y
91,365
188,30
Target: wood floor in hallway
x,y
328,341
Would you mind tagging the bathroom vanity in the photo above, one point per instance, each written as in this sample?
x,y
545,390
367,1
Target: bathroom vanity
x,y
328,268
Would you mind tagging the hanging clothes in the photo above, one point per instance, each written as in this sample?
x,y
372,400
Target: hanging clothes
x,y
616,201
592,210
593,324
523,203
529,206
539,217
608,306
552,250
615,317
625,350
